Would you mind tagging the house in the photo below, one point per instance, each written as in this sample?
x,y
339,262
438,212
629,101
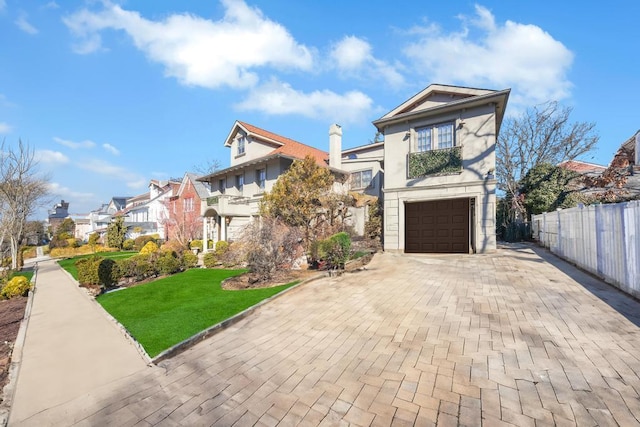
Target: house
x,y
58,214
184,222
147,213
258,158
439,164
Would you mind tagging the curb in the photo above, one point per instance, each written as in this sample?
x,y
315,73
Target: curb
x,y
219,327
16,355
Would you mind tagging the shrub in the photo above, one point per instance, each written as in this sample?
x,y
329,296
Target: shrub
x,y
144,266
88,270
127,267
221,247
17,286
128,244
149,248
58,242
337,249
108,273
29,252
188,260
210,260
73,242
141,241
195,244
168,263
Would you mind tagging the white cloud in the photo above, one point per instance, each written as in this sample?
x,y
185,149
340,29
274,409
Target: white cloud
x,y
5,128
280,98
50,156
198,51
60,190
3,5
353,56
75,145
493,55
132,179
24,25
110,148
51,5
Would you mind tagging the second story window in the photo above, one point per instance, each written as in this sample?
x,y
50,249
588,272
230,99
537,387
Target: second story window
x,y
435,137
241,145
188,204
240,182
361,179
222,185
261,178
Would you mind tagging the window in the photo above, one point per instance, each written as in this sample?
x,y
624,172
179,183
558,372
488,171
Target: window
x,y
361,179
188,204
261,177
434,137
240,182
222,185
241,143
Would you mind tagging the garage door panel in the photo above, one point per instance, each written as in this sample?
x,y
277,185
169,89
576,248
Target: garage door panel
x,y
437,226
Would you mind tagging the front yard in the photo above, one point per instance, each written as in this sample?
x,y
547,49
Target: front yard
x,y
167,311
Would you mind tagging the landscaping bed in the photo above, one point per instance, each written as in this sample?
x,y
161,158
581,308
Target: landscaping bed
x,y
11,314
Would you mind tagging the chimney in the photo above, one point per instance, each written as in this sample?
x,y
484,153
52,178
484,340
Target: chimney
x,y
335,146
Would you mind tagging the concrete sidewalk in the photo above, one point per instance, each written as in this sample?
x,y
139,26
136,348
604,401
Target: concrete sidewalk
x,y
71,348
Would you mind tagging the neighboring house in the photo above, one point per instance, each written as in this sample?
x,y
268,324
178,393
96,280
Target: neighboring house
x,y
184,222
620,181
58,214
147,213
439,165
583,168
258,158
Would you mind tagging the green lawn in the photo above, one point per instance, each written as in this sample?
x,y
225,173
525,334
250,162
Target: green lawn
x,y
167,311
28,273
69,264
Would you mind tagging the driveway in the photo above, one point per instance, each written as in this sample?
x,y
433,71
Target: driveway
x,y
513,338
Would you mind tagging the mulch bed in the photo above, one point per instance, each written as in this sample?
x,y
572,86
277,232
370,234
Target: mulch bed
x,y
11,314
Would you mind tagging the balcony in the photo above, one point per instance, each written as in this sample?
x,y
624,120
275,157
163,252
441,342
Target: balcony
x,y
229,205
444,161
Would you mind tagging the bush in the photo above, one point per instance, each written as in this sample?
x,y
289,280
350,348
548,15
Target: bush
x,y
141,241
149,248
210,260
108,273
168,263
195,244
88,270
337,249
127,267
17,286
73,242
128,245
221,247
58,242
144,266
188,260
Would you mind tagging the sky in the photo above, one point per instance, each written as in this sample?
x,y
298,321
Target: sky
x,y
112,94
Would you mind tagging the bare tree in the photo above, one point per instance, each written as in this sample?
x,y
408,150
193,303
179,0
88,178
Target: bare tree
x,y
22,192
542,134
206,167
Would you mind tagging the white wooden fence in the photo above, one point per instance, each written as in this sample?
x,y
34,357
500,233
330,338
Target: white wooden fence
x,y
602,239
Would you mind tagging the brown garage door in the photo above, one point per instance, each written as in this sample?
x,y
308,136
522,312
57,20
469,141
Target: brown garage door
x,y
437,226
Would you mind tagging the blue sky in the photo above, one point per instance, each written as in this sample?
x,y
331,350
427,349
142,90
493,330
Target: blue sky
x,y
113,94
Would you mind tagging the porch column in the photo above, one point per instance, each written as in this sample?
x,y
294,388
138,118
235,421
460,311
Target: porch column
x,y
205,233
223,228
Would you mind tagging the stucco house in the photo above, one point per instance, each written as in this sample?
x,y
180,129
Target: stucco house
x,y
439,164
258,158
147,213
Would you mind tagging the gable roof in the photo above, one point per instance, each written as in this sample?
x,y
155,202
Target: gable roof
x,y
201,189
462,97
582,167
283,145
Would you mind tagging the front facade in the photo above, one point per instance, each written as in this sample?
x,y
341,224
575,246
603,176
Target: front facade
x,y
439,166
258,158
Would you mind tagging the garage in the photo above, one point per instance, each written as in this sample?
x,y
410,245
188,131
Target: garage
x,y
437,226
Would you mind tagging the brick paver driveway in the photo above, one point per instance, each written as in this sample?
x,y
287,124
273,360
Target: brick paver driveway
x,y
503,339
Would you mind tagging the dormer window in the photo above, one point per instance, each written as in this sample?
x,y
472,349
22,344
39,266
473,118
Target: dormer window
x,y
241,145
